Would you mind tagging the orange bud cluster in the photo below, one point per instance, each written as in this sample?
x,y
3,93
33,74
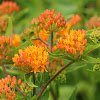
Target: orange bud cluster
x,y
8,7
93,22
73,43
5,45
7,86
16,40
49,21
31,59
3,23
74,20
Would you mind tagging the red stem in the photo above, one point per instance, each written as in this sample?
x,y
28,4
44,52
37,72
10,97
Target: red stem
x,y
44,86
51,44
43,41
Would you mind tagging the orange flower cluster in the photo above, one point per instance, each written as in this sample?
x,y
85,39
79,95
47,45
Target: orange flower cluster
x,y
7,86
8,7
16,40
3,23
74,20
31,59
49,21
5,45
73,43
93,22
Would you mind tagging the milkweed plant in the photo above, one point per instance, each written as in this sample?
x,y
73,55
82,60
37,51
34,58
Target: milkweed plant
x,y
43,52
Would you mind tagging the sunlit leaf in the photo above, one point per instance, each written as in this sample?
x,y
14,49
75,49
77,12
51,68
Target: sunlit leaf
x,y
34,97
28,80
9,31
89,59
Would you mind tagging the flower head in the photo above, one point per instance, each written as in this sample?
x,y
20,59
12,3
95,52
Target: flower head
x,y
16,40
3,23
49,21
25,88
74,20
7,86
8,7
95,36
93,21
73,43
31,59
5,47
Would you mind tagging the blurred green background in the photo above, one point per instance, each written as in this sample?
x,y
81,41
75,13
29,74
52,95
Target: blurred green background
x,y
84,82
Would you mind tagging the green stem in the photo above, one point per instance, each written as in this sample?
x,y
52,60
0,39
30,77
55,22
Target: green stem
x,y
33,83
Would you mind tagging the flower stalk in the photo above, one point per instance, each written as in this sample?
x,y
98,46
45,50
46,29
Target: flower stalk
x,y
44,86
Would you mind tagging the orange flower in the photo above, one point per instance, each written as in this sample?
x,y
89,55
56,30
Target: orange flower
x,y
31,59
74,20
16,40
8,7
93,22
73,43
5,45
49,22
6,87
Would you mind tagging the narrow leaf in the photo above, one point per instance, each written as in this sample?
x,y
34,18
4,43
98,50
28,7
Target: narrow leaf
x,y
34,97
90,48
74,67
16,49
28,80
90,59
9,28
73,96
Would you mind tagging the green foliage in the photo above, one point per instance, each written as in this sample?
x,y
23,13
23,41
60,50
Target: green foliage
x,y
89,59
73,96
90,48
9,31
34,97
74,67
28,78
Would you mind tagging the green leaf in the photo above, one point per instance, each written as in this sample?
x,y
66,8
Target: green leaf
x,y
45,94
9,28
20,14
68,16
28,80
45,77
34,97
89,59
90,48
49,39
24,44
74,67
54,43
73,96
57,54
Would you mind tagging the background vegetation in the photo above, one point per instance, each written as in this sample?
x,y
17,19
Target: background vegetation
x,y
85,82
